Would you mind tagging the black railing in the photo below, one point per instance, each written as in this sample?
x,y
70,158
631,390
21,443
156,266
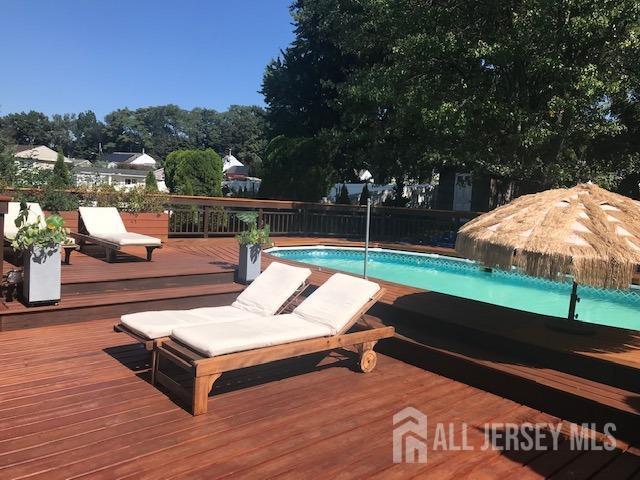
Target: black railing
x,y
208,217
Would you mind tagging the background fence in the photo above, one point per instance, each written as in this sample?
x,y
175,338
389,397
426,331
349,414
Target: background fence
x,y
207,217
215,216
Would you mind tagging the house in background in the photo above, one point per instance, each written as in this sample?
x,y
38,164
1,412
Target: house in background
x,y
130,160
124,170
120,178
39,156
236,179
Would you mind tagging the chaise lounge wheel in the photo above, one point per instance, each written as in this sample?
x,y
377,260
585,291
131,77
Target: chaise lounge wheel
x,y
368,360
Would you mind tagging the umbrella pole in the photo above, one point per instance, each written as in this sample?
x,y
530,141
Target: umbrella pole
x,y
366,238
572,326
574,301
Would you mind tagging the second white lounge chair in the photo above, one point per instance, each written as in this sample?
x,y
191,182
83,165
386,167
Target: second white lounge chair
x,y
103,226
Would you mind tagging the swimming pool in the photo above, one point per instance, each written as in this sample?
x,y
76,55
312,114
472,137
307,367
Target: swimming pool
x,y
463,278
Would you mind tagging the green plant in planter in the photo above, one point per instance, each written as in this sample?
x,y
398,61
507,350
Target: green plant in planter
x,y
252,235
36,234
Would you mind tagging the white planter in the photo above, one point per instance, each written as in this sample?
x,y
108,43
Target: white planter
x,y
41,277
249,263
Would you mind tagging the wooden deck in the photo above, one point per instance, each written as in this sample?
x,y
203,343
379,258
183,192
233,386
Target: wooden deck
x,y
76,403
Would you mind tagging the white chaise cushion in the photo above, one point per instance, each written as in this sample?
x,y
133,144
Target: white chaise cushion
x,y
336,301
159,324
129,238
271,289
101,220
10,228
265,295
212,340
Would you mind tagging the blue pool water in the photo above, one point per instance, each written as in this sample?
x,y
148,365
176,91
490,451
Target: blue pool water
x,y
466,279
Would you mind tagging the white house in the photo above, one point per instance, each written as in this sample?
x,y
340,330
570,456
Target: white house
x,y
130,159
232,166
118,177
39,156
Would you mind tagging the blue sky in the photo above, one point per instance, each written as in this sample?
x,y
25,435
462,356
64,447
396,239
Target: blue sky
x,y
63,56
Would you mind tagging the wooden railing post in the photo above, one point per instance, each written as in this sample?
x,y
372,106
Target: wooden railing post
x,y
206,222
260,218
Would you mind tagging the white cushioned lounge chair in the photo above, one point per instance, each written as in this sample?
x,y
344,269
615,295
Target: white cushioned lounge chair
x,y
35,215
320,323
103,226
271,292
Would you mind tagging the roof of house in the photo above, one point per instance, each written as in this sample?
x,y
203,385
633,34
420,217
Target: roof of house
x,y
80,162
129,158
230,161
39,153
22,148
121,157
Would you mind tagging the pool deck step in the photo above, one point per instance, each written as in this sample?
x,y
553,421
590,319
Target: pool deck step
x,y
97,305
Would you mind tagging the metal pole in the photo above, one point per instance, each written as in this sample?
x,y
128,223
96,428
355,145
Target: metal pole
x,y
366,238
574,300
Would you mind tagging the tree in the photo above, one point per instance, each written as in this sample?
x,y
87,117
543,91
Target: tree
x,y
61,177
530,90
194,172
150,182
364,195
343,198
89,133
8,167
297,169
32,128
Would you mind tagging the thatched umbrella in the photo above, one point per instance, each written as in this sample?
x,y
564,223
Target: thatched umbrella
x,y
585,231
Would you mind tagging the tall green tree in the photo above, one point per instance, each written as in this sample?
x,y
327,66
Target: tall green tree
x,y
297,169
150,182
194,172
61,176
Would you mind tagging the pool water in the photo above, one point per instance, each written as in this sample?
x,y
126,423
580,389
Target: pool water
x,y
466,279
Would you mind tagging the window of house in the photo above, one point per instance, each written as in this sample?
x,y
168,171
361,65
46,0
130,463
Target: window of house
x,y
130,181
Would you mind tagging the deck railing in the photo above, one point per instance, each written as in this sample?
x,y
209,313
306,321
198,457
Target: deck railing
x,y
207,217
191,216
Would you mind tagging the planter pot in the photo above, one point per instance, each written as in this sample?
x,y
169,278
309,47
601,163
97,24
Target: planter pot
x,y
249,263
41,277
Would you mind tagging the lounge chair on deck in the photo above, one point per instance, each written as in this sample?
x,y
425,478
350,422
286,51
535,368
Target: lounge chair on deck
x,y
103,226
35,213
269,294
320,323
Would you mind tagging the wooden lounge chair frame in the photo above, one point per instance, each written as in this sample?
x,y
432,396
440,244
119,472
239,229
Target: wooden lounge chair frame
x,y
206,370
111,248
149,344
